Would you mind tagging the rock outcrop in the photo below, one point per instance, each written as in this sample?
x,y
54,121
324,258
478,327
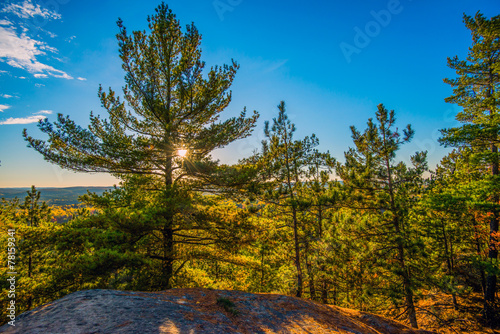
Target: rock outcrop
x,y
194,311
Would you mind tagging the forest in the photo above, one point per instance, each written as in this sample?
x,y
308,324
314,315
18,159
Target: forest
x,y
361,230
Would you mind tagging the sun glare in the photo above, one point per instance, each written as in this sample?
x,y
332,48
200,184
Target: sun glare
x,y
182,152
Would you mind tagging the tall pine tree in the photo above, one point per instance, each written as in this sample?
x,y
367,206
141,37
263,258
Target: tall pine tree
x,y
160,136
384,191
283,165
477,91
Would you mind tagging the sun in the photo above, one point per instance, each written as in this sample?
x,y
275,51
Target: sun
x,y
182,152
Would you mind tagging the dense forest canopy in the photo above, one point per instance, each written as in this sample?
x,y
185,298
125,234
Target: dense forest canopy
x,y
371,233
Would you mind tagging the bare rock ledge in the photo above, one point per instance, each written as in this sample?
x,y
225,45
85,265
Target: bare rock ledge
x,y
194,311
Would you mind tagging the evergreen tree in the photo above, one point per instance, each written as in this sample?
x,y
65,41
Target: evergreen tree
x,y
447,215
162,144
282,163
319,193
477,91
385,192
283,166
33,213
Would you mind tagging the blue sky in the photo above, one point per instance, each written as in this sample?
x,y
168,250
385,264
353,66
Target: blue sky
x,y
332,62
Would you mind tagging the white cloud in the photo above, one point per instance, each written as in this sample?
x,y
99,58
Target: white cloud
x,y
5,23
44,112
81,79
40,75
39,85
3,107
24,120
6,96
22,51
51,34
27,10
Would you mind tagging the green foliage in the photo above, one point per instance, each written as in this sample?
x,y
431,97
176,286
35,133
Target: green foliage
x,y
477,90
384,193
290,172
228,305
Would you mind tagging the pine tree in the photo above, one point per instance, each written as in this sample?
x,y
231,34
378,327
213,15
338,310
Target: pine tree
x,y
446,213
33,213
282,157
477,91
318,192
385,191
283,168
158,139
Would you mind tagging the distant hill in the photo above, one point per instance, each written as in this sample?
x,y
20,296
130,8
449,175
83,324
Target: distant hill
x,y
53,196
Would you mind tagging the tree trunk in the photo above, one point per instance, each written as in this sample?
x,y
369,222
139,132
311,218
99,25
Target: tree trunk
x,y
478,252
448,252
167,231
412,315
297,253
262,271
410,306
310,274
168,258
335,295
30,298
324,291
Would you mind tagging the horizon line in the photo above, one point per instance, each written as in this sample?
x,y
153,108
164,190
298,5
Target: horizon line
x,y
60,187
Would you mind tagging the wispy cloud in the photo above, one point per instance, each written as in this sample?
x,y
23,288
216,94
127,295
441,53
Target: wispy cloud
x,y
275,65
22,120
81,79
51,34
27,10
6,96
44,112
22,51
26,120
3,107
